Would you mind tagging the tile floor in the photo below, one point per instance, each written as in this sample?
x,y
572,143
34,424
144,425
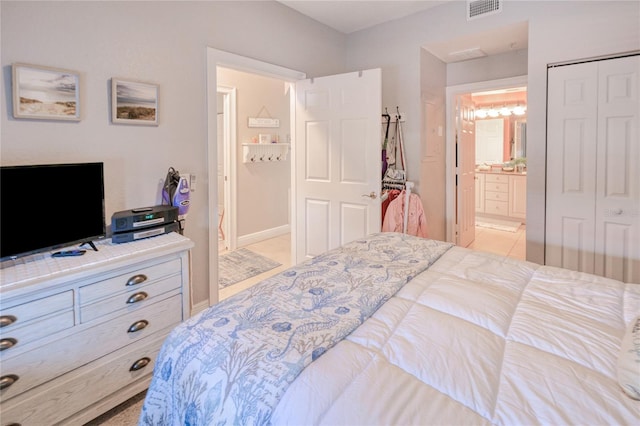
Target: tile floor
x,y
511,244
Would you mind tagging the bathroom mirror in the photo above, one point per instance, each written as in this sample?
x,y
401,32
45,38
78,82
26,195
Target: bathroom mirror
x,y
519,148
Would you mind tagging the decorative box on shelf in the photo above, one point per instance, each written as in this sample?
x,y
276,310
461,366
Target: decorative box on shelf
x,y
261,152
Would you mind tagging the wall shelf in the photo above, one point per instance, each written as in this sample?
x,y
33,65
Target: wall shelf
x,y
259,152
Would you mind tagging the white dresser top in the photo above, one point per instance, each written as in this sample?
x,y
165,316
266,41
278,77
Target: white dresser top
x,y
33,269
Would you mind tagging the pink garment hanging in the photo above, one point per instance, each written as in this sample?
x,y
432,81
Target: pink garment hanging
x,y
391,195
394,217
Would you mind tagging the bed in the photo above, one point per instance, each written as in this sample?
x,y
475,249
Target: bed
x,y
399,330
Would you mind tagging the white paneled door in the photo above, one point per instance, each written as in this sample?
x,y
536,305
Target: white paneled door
x,y
338,163
466,174
593,168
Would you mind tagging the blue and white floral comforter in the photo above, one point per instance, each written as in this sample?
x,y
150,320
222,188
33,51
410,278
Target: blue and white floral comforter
x,y
232,363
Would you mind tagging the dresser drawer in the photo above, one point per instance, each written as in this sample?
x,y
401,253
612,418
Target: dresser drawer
x,y
496,207
494,178
39,366
124,282
18,315
80,389
131,300
497,187
16,337
496,196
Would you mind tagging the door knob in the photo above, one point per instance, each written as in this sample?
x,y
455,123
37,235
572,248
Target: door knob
x,y
372,195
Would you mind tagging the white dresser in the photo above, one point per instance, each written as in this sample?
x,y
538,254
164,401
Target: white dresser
x,y
79,335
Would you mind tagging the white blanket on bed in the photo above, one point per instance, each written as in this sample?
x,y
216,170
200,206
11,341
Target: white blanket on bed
x,y
477,339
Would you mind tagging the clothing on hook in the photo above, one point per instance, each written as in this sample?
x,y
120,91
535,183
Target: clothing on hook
x,y
390,196
385,143
394,216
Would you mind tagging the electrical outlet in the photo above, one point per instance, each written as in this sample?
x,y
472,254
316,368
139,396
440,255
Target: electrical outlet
x,y
192,183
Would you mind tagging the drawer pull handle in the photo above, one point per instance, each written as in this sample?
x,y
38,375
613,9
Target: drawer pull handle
x,y
7,343
137,279
8,380
138,297
140,364
138,325
6,320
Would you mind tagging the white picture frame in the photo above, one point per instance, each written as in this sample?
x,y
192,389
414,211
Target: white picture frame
x,y
134,102
45,93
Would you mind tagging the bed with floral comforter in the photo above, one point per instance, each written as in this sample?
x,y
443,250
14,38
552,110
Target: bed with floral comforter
x,y
232,363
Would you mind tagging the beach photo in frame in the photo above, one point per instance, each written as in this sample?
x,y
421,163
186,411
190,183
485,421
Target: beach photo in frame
x,y
45,93
134,102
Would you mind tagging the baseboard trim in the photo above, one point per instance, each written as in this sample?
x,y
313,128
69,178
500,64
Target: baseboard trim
x,y
256,237
196,309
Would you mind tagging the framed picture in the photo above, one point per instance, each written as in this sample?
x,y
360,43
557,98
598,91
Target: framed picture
x,y
134,102
45,93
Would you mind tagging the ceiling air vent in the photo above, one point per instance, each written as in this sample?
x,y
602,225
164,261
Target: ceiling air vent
x,y
480,8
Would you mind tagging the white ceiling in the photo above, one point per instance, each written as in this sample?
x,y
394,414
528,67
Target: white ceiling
x,y
355,15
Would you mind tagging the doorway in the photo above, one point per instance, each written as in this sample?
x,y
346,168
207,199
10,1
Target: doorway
x,y
498,140
357,142
215,59
253,182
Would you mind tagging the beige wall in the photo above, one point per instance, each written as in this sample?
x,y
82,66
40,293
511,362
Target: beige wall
x,y
159,42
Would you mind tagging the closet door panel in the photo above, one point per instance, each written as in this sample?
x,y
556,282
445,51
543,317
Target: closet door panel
x,y
616,259
618,167
574,250
571,178
593,168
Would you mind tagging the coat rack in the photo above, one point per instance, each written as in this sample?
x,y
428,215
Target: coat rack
x,y
262,152
396,117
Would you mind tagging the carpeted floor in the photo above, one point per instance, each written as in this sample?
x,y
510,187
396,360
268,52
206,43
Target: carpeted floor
x,y
241,264
125,414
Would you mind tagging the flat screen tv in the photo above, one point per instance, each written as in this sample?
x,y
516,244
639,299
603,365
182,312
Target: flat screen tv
x,y
45,207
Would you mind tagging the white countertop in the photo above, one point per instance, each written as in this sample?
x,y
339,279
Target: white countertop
x,y
501,172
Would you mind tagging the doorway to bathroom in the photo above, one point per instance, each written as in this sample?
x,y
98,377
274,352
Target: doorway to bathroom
x,y
488,137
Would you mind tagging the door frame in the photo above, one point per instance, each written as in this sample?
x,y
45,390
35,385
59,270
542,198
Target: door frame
x,y
450,145
219,58
230,227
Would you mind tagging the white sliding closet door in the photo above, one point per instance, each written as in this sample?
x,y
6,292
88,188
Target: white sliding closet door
x,y
593,168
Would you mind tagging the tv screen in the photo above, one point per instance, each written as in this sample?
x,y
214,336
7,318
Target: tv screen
x,y
45,207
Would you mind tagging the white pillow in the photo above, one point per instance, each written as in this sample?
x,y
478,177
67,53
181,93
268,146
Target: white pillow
x,y
629,360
